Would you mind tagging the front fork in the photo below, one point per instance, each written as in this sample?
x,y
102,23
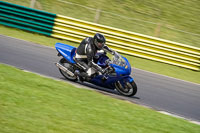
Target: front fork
x,y
129,79
124,80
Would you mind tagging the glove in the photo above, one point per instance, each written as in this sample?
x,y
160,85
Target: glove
x,y
107,62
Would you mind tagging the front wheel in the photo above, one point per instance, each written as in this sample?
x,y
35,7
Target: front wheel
x,y
128,89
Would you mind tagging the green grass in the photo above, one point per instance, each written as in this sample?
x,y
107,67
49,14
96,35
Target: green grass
x,y
157,67
35,104
174,14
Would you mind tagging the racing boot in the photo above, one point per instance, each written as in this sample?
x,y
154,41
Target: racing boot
x,y
78,75
104,79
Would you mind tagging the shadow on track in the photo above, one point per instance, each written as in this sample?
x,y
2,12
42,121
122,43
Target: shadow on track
x,y
103,90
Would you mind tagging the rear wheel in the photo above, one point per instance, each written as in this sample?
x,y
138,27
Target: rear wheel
x,y
128,89
69,67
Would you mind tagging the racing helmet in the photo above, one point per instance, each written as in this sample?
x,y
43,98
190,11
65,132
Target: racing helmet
x,y
99,41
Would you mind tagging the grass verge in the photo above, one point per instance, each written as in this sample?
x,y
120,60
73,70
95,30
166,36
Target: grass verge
x,y
35,104
157,67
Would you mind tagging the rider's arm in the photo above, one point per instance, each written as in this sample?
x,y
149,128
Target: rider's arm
x,y
107,49
90,55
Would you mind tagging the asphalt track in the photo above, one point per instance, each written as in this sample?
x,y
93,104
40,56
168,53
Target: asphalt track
x,y
156,91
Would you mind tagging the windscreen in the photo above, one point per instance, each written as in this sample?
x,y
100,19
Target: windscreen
x,y
118,60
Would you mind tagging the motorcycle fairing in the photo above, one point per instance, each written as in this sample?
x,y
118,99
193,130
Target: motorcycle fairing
x,y
111,80
67,51
121,72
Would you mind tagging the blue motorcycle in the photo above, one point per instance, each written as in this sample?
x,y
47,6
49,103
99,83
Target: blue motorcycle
x,y
118,70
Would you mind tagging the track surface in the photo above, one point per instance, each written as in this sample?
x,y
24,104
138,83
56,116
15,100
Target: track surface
x,y
159,92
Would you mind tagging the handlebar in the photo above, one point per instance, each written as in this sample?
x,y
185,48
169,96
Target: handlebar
x,y
108,70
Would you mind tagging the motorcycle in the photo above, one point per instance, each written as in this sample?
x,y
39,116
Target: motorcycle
x,y
117,74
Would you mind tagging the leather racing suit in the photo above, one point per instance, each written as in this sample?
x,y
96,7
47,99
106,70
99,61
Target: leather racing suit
x,y
85,54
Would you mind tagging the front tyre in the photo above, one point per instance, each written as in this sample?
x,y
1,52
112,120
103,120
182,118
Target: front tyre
x,y
128,89
69,67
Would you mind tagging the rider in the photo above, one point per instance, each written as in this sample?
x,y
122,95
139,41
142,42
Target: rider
x,y
86,52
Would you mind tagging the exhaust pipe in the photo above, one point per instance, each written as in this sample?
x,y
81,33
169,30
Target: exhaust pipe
x,y
64,69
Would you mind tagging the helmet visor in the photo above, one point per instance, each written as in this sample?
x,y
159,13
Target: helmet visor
x,y
100,45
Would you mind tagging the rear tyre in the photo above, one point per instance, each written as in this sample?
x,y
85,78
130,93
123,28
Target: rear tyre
x,y
128,89
70,67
